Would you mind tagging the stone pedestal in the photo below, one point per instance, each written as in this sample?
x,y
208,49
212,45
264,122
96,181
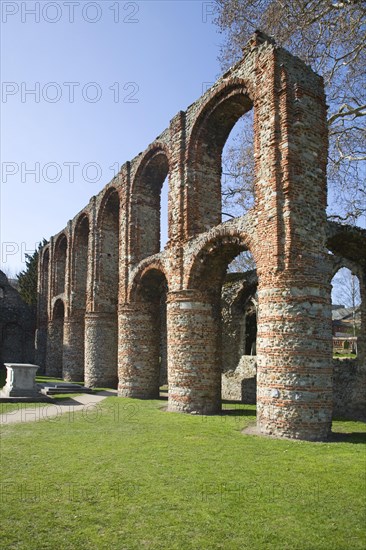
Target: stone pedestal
x,y
20,381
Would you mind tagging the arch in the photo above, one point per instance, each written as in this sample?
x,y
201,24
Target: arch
x,y
147,271
101,322
147,184
211,129
338,262
55,339
143,368
346,317
60,264
80,262
44,283
244,308
107,270
74,325
58,310
238,315
209,263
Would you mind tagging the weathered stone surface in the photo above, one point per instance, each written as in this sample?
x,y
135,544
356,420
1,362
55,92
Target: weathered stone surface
x,y
17,325
107,265
20,380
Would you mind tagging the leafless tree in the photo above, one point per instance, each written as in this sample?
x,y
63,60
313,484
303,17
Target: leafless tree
x,y
346,291
242,263
330,36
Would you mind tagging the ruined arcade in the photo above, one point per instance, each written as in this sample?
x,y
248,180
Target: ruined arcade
x,y
115,309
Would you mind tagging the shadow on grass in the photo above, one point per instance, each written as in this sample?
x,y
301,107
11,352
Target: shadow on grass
x,y
238,412
346,434
344,437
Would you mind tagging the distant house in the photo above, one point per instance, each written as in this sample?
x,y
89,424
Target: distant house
x,y
346,322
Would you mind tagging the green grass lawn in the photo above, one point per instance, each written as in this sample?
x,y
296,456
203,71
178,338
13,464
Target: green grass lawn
x,y
128,475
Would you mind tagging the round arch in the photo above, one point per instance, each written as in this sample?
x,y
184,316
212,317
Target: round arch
x,y
58,310
209,263
80,261
149,273
107,252
143,368
60,254
44,280
211,129
153,169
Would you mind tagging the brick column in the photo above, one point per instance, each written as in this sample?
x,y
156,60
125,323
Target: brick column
x,y
100,350
73,355
294,349
194,354
138,351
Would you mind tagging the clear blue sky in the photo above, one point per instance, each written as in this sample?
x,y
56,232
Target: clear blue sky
x,y
148,60
107,77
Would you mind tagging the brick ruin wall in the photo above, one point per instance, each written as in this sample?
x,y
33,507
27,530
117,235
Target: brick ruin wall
x,y
17,326
113,307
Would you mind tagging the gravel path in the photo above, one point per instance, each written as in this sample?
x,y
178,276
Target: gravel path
x,y
28,412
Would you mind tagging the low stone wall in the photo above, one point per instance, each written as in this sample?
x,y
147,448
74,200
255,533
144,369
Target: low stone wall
x,y
240,384
349,388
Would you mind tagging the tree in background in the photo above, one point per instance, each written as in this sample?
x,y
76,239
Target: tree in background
x,y
28,278
346,289
330,36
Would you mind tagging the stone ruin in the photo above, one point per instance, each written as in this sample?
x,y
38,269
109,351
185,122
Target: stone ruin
x,y
114,308
17,325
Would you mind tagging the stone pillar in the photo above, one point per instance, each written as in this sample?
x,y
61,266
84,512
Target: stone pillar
x,y
101,350
73,353
194,353
54,350
138,351
294,391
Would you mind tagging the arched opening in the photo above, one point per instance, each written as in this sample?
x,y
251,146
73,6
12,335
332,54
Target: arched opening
x,y
237,179
12,345
195,331
107,295
153,290
348,333
239,311
101,323
41,332
80,264
209,136
44,283
143,367
55,341
164,221
60,264
346,313
74,328
149,205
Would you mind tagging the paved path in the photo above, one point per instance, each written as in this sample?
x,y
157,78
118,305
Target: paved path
x,y
87,403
